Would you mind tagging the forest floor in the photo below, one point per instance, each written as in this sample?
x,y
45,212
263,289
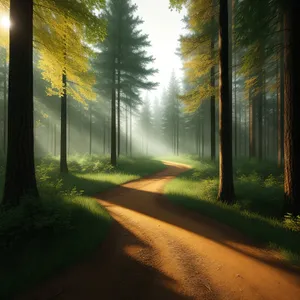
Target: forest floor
x,y
157,250
40,238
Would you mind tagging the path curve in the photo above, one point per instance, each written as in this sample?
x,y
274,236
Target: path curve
x,y
159,251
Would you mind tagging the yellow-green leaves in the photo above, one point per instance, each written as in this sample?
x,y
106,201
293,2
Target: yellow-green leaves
x,y
66,53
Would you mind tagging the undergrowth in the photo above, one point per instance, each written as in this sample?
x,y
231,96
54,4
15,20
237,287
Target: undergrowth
x,y
42,236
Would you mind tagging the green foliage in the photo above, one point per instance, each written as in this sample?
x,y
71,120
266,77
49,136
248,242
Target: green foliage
x,y
124,51
38,239
32,220
291,222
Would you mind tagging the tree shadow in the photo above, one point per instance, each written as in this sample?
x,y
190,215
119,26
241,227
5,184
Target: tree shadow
x,y
203,226
112,272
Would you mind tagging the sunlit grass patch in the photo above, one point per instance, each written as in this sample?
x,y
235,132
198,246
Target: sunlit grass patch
x,y
257,211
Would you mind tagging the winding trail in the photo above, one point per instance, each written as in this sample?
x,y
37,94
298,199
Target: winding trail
x,y
159,251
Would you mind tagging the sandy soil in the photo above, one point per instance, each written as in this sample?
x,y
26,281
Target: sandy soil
x,y
156,250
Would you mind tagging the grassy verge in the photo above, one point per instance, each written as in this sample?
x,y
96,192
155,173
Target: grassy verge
x,y
258,210
38,239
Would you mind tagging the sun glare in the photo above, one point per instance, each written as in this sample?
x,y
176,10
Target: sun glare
x,y
5,22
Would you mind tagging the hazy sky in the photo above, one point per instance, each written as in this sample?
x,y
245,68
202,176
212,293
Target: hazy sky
x,y
164,28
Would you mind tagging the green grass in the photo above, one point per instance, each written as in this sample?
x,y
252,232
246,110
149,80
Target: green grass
x,y
257,212
38,239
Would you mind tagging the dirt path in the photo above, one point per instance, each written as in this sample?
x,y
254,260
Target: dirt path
x,y
159,251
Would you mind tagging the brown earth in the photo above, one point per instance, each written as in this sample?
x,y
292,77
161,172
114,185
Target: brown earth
x,y
159,251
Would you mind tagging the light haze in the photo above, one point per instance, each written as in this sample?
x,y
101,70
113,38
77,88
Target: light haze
x,y
164,28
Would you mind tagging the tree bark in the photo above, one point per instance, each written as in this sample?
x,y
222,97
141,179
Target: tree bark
x,y
202,138
104,135
177,129
212,109
226,188
119,109
63,127
280,110
252,113
291,109
113,150
54,140
91,129
20,180
126,130
5,105
130,141
260,103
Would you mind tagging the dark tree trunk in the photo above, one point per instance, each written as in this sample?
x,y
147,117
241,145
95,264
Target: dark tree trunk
x,y
104,135
54,139
235,114
177,129
91,130
20,178
291,109
202,138
130,141
126,130
69,127
226,188
119,110
63,127
252,113
212,110
280,111
113,150
49,136
5,105
260,104
247,123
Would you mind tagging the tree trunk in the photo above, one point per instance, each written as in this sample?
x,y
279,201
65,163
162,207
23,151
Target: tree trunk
x,y
49,136
130,142
91,129
252,112
280,111
212,110
69,127
291,109
119,110
20,180
260,103
54,139
226,188
5,105
104,135
113,150
247,122
202,138
177,133
126,130
63,127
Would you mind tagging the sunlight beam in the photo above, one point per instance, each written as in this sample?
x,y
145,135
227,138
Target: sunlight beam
x,y
5,22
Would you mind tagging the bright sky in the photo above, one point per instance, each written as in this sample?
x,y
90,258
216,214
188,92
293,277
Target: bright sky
x,y
164,28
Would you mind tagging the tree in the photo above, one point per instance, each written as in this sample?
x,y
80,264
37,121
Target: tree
x,y
200,58
122,64
292,108
65,65
171,114
226,188
20,178
146,125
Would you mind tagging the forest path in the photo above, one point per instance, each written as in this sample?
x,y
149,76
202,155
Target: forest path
x,y
156,250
